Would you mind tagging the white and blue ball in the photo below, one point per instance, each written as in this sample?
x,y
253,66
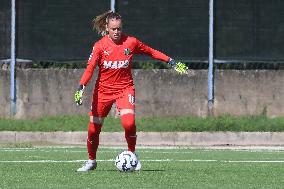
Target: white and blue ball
x,y
126,161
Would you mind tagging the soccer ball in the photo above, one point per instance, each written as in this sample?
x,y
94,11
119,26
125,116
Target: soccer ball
x,y
126,161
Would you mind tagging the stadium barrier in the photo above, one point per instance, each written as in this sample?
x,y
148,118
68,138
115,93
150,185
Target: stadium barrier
x,y
50,92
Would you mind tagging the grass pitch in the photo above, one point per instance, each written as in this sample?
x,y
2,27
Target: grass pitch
x,y
54,167
152,124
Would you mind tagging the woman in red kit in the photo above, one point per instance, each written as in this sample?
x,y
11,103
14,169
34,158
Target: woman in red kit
x,y
113,55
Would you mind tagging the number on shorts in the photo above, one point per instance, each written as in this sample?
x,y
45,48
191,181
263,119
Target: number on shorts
x,y
131,99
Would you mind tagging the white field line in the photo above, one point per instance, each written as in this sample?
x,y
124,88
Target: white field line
x,y
156,151
149,160
85,150
205,148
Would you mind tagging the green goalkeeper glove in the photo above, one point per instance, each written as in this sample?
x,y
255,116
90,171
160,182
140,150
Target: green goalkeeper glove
x,y
78,95
180,67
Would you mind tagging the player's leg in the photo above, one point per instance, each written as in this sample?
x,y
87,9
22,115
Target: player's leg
x,y
98,112
94,129
126,106
127,117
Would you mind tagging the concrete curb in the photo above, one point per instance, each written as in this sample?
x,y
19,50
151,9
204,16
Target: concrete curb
x,y
150,138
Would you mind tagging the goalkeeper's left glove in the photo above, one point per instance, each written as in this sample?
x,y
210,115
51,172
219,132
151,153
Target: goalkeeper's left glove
x,y
78,95
180,67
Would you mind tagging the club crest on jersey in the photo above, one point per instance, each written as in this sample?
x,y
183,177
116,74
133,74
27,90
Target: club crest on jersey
x,y
127,51
116,64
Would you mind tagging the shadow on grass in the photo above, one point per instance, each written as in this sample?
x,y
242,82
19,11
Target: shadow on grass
x,y
113,170
153,170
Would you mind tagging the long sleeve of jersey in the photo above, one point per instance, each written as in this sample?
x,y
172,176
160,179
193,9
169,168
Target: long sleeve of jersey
x,y
141,48
91,65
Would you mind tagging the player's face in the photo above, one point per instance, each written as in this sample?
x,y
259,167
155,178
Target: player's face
x,y
114,28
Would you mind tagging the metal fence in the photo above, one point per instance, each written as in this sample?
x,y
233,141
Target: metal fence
x,y
62,30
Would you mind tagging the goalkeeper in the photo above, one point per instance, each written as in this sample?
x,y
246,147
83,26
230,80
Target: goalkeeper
x,y
112,54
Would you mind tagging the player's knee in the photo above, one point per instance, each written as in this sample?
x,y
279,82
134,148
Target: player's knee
x,y
128,120
97,120
126,111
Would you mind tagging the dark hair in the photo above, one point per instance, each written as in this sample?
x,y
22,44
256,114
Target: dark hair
x,y
101,21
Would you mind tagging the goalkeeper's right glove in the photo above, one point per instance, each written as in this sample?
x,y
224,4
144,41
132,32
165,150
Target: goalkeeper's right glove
x,y
78,95
180,67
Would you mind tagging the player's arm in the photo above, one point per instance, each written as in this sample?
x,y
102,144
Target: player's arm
x,y
91,65
141,48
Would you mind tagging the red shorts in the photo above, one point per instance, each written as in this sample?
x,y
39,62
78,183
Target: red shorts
x,y
102,103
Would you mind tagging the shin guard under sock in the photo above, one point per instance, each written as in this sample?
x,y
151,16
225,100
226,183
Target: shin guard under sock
x,y
93,139
128,123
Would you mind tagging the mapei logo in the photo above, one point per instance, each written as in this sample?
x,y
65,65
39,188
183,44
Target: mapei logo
x,y
116,64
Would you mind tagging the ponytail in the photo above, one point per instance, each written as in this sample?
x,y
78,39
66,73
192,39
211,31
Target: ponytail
x,y
101,21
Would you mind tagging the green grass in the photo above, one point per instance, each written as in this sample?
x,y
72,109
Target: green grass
x,y
163,124
161,168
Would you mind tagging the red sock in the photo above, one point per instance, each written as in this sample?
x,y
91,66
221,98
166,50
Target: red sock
x,y
93,139
128,123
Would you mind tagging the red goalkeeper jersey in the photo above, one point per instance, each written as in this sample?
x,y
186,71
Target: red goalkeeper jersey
x,y
115,62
